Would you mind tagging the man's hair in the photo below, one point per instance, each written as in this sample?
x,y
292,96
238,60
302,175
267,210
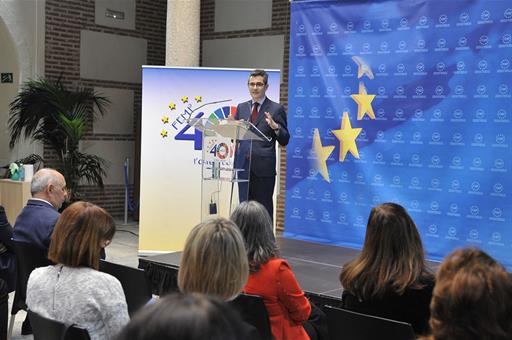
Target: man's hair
x,y
472,298
185,316
78,234
392,259
42,179
259,73
214,260
256,226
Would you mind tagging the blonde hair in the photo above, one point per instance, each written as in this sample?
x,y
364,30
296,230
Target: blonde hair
x,y
214,260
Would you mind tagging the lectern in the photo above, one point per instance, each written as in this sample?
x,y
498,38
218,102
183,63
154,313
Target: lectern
x,y
225,163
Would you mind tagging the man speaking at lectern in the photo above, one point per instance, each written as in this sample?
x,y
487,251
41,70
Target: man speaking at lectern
x,y
270,118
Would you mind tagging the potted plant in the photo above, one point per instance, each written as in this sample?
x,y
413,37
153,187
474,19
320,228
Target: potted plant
x,y
47,112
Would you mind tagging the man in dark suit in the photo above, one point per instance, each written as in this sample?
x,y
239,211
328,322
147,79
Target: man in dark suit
x,y
36,221
270,118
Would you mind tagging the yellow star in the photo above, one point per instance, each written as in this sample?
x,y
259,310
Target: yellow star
x,y
163,133
347,137
172,106
165,119
322,153
364,102
362,68
198,99
184,99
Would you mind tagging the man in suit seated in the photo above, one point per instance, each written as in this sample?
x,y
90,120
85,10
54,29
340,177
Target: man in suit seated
x,y
270,118
36,221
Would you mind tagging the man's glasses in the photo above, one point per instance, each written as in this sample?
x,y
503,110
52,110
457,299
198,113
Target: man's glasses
x,y
256,84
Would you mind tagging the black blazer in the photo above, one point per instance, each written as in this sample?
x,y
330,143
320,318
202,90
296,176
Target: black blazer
x,y
412,307
7,258
263,155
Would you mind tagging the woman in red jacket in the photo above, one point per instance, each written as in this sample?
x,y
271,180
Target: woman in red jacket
x,y
270,276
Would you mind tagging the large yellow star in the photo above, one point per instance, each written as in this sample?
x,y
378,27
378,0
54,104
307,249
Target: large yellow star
x,y
322,153
165,119
172,106
364,102
198,99
362,68
163,133
347,137
184,99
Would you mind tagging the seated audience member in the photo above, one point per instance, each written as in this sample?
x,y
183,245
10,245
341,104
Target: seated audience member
x,y
185,316
270,276
214,263
7,253
36,221
472,298
7,270
390,278
73,291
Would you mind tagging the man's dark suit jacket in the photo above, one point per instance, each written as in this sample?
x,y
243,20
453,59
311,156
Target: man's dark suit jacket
x,y
263,155
7,257
35,223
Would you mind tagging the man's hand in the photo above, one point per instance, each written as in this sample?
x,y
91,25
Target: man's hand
x,y
270,121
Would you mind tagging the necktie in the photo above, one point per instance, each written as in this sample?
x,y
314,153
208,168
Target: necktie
x,y
254,113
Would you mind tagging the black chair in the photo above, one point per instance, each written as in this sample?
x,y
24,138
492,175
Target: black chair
x,y
253,311
47,329
349,325
28,258
136,285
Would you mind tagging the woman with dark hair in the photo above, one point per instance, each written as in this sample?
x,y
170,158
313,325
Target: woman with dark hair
x,y
185,317
73,291
390,278
270,276
472,298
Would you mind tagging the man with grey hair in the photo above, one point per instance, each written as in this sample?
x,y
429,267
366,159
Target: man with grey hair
x,y
36,221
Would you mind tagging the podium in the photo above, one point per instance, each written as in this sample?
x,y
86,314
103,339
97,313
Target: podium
x,y
225,163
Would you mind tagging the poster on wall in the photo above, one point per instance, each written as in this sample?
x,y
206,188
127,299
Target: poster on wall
x,y
406,102
171,151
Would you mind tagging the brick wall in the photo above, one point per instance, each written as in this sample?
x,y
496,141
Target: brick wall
x,y
280,26
64,21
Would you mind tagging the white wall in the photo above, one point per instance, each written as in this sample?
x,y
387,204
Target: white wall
x,y
22,53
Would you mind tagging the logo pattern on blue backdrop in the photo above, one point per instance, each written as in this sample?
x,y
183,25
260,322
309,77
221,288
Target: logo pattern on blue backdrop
x,y
435,136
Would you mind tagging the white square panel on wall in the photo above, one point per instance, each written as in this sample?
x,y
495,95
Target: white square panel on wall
x,y
236,15
118,118
105,56
254,52
114,154
115,13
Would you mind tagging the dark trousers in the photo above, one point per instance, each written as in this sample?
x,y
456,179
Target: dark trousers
x,y
261,189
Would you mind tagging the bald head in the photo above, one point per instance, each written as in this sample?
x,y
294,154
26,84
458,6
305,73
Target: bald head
x,y
50,185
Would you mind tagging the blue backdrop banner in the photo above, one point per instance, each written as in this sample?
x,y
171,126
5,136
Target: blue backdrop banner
x,y
407,102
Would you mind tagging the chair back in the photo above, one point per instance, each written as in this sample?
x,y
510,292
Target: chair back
x,y
253,311
135,283
349,325
47,329
29,257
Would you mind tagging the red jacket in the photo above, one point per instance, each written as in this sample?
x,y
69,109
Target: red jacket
x,y
286,304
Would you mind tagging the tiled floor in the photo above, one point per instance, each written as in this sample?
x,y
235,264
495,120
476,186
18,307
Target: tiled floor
x,y
123,249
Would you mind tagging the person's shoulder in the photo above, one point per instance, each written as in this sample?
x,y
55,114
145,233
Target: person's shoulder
x,y
39,274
